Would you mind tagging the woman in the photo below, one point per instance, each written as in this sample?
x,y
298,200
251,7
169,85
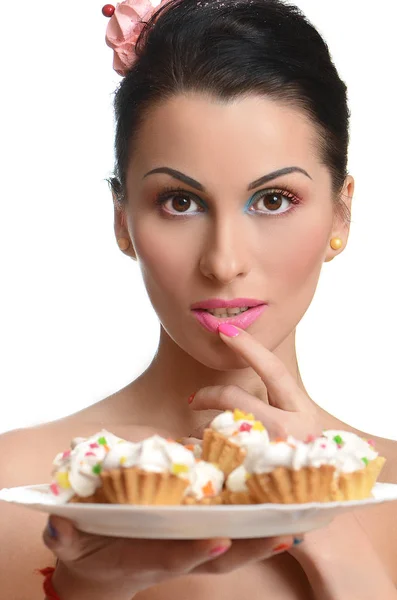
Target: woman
x,y
231,191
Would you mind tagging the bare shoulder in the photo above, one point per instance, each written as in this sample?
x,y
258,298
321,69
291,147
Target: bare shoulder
x,y
25,458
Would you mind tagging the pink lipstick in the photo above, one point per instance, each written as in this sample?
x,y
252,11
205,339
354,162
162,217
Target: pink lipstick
x,y
211,322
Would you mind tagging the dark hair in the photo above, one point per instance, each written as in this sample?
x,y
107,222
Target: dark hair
x,y
232,48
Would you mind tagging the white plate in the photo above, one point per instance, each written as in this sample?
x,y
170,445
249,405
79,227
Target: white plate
x,y
194,522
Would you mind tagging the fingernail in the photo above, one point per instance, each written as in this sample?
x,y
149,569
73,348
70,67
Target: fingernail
x,y
298,540
229,330
191,398
52,532
218,550
281,548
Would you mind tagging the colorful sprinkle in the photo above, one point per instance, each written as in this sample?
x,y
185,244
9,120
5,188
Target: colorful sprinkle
x,y
323,446
310,438
365,460
190,447
123,460
178,468
89,454
245,427
338,440
257,426
94,445
208,489
371,443
102,441
55,489
62,479
97,469
239,415
66,454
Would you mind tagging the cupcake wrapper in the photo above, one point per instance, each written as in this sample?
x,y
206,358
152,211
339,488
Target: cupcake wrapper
x,y
358,485
136,486
229,497
220,451
208,501
286,486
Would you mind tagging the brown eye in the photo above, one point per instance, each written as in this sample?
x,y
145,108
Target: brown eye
x,y
180,203
272,201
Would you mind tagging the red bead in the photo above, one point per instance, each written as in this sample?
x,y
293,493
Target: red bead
x,y
245,427
108,10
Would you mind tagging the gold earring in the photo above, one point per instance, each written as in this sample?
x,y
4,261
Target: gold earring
x,y
124,243
336,243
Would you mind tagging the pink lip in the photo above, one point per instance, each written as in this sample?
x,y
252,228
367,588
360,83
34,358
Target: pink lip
x,y
219,303
243,321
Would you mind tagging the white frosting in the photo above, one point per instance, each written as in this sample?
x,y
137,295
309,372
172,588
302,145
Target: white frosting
x,y
76,471
252,441
228,423
158,455
295,454
242,430
203,478
124,454
352,444
236,482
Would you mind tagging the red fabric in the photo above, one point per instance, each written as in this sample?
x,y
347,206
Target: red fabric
x,y
47,583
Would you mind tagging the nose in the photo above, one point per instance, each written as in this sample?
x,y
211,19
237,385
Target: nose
x,y
225,254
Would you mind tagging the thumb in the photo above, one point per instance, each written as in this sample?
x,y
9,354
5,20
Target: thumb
x,y
63,539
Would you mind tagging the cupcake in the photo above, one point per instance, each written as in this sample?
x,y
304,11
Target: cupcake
x,y
107,469
292,471
76,471
206,483
155,471
358,465
230,436
236,490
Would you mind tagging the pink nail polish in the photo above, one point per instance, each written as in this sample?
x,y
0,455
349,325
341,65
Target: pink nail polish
x,y
229,330
218,550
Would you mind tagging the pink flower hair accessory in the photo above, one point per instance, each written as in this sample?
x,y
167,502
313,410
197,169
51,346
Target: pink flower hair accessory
x,y
126,23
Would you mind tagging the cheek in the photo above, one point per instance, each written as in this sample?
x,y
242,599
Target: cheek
x,y
299,251
165,259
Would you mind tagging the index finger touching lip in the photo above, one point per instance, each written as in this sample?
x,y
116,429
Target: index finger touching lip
x,y
283,390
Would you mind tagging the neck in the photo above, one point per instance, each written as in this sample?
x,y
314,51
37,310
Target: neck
x,y
174,375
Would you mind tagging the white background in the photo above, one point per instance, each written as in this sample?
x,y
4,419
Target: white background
x,y
75,322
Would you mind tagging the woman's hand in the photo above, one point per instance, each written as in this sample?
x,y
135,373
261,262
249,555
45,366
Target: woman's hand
x,y
289,412
100,567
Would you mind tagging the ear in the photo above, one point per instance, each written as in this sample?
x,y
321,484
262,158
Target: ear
x,y
121,227
341,224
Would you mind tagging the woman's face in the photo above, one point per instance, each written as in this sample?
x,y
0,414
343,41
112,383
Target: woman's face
x,y
214,231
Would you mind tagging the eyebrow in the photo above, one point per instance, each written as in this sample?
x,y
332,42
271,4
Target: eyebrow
x,y
198,186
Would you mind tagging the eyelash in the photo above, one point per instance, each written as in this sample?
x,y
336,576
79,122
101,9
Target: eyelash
x,y
167,193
